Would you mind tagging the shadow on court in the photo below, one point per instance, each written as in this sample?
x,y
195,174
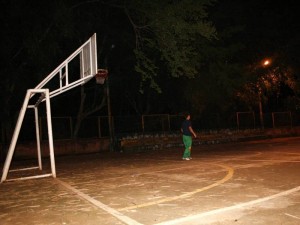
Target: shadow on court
x,y
238,183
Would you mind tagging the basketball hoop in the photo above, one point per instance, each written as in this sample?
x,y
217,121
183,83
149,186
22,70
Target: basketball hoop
x,y
101,76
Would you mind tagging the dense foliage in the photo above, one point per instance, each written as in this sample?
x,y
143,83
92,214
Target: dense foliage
x,y
162,56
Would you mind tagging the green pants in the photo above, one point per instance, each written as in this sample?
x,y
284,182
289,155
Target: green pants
x,y
187,141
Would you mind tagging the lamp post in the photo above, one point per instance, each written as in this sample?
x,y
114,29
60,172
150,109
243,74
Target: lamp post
x,y
265,63
261,116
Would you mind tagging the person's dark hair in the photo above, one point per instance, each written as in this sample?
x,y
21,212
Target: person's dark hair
x,y
186,114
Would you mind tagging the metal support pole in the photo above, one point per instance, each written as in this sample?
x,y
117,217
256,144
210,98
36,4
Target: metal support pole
x,y
15,137
261,116
38,141
143,124
50,134
238,120
273,120
110,122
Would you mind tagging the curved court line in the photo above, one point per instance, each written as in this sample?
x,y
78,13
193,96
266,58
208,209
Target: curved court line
x,y
221,210
273,160
228,176
113,212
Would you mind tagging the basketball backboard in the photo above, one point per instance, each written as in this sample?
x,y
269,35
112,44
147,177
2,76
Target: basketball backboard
x,y
77,69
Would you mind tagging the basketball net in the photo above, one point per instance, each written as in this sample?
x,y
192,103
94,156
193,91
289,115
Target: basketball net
x,y
101,76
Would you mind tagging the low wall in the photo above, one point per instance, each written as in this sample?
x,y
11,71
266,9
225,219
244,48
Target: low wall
x,y
63,147
147,142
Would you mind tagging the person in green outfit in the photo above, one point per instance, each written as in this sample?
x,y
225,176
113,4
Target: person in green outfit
x,y
187,132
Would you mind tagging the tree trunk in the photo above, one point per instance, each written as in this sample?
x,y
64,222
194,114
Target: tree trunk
x,y
84,112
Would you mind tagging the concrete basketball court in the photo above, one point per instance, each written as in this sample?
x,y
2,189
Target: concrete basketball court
x,y
244,183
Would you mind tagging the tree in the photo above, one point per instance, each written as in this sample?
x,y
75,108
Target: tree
x,y
221,70
277,81
23,53
166,36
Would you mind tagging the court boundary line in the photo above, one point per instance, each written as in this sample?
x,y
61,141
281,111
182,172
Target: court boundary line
x,y
229,175
229,208
127,220
111,211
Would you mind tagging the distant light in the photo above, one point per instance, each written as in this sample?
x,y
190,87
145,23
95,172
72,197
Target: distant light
x,y
266,62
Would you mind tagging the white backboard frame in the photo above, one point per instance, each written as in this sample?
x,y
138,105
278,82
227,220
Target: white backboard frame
x,y
88,69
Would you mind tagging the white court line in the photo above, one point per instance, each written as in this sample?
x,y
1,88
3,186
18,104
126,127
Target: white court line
x,y
228,176
221,210
295,217
100,205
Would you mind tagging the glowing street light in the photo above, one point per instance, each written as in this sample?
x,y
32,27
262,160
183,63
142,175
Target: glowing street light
x,y
266,62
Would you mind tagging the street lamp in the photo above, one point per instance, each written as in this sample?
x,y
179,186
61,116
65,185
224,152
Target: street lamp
x,y
261,116
265,63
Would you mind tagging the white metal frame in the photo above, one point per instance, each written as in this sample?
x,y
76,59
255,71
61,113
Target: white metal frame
x,y
88,69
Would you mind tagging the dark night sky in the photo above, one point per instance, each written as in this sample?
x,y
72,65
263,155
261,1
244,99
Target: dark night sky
x,y
270,25
269,28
